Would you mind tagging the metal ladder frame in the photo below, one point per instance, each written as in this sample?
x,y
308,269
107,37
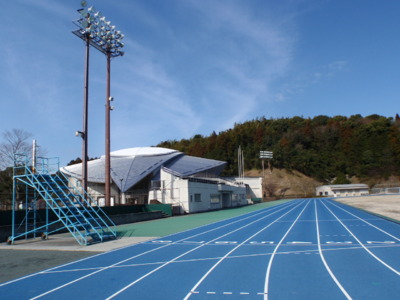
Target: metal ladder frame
x,y
77,212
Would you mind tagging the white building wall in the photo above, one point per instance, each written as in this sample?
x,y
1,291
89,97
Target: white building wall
x,y
205,196
254,183
324,190
342,191
96,191
197,196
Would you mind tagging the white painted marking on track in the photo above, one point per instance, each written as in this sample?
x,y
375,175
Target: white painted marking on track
x,y
385,242
143,253
323,258
299,242
267,275
161,242
345,242
392,236
193,242
195,248
261,243
225,242
362,245
245,241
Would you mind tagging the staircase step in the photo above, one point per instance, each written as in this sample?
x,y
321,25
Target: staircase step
x,y
81,221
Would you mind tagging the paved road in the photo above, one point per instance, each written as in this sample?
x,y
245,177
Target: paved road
x,y
303,249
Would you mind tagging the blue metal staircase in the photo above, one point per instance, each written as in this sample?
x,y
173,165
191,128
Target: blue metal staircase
x,y
75,211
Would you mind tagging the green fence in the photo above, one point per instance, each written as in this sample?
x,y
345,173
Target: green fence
x,y
6,216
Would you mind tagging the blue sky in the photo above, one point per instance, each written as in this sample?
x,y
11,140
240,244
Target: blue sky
x,y
194,67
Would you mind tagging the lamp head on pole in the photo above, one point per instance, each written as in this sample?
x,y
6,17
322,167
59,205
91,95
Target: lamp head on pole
x,y
101,34
80,134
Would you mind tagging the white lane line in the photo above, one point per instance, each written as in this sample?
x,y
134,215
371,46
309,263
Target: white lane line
x,y
323,258
187,252
226,255
362,245
299,243
158,248
266,284
316,252
381,242
392,236
246,216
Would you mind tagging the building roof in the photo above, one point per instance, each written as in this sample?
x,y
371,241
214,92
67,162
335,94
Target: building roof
x,y
130,166
347,186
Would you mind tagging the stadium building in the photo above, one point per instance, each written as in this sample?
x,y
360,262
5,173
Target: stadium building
x,y
158,175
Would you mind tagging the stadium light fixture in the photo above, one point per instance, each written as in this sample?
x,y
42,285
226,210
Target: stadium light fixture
x,y
96,31
80,134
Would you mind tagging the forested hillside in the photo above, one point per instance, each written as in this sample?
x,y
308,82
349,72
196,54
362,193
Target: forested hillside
x,y
323,147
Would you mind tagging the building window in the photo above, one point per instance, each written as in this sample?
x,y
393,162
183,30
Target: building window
x,y
197,197
214,198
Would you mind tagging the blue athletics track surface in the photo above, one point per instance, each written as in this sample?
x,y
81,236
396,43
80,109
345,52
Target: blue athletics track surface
x,y
302,249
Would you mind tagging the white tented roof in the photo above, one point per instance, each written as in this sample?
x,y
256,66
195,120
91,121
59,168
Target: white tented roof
x,y
142,151
129,166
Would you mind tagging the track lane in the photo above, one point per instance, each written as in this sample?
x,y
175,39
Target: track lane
x,y
233,256
362,274
112,259
219,281
170,253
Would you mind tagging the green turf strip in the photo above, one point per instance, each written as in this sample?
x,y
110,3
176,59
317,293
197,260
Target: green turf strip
x,y
163,227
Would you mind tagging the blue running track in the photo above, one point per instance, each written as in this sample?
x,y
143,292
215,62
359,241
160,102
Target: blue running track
x,y
302,249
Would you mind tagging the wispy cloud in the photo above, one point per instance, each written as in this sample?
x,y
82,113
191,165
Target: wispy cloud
x,y
299,84
190,67
207,78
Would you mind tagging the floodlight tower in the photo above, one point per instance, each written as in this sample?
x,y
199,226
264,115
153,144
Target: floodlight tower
x,y
99,33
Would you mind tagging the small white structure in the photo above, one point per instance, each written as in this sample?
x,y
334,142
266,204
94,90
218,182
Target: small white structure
x,y
342,190
196,194
253,185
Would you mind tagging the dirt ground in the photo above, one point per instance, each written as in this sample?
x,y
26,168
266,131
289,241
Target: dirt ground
x,y
280,183
386,205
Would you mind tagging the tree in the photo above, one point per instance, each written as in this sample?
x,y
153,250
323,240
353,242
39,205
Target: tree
x,y
14,141
321,147
78,160
6,188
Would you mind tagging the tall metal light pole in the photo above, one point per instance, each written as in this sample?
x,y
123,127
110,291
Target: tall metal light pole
x,y
107,185
99,33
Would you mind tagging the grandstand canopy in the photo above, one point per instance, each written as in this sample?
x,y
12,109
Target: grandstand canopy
x,y
130,166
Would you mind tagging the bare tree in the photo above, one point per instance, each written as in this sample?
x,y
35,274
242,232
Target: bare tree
x,y
14,141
